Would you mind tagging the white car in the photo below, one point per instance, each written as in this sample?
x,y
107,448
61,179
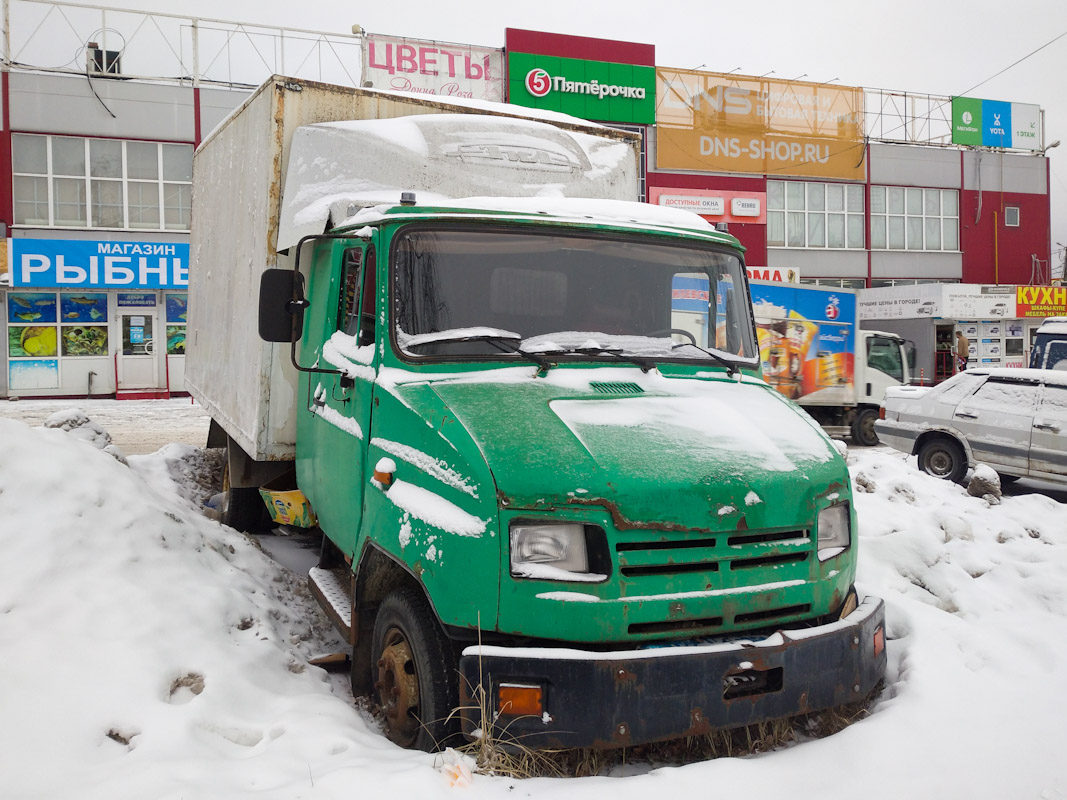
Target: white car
x,y
1014,420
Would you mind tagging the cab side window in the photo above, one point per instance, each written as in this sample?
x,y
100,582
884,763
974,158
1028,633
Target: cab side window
x,y
348,301
355,306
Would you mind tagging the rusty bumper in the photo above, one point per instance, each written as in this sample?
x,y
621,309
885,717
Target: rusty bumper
x,y
622,698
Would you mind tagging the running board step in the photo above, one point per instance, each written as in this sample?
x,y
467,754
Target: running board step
x,y
332,588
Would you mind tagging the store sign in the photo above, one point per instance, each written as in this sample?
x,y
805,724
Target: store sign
x,y
993,123
713,122
81,263
718,206
139,300
774,274
595,90
698,204
433,68
1041,301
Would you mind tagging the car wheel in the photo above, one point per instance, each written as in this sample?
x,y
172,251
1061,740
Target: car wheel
x,y
943,458
416,685
863,428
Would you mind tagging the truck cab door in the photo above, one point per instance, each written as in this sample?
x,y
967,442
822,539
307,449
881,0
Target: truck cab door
x,y
340,404
885,367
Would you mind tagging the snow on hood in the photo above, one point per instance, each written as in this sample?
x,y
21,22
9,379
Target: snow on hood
x,y
337,167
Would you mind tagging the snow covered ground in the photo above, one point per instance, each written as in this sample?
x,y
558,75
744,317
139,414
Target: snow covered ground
x,y
148,652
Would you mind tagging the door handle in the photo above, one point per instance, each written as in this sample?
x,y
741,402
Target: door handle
x,y
965,415
1044,427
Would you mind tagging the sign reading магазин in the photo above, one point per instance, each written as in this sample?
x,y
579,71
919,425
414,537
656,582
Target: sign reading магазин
x,y
81,263
434,68
594,90
993,123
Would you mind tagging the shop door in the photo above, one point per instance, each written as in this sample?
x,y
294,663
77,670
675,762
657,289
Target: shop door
x,y
138,366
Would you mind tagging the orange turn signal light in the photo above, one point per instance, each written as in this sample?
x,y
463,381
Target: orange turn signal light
x,y
520,700
879,641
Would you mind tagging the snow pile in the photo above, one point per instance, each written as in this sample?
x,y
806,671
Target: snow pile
x,y
151,653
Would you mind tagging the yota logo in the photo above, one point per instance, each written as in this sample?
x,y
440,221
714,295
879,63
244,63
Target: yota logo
x,y
538,82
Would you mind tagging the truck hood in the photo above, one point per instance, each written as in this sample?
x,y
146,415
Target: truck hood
x,y
654,450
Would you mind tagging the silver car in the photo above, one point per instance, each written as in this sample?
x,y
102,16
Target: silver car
x,y
1014,420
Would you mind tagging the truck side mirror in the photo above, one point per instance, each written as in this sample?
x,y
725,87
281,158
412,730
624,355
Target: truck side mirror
x,y
281,306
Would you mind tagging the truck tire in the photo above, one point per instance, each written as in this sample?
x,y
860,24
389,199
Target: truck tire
x,y
242,509
416,684
943,458
863,428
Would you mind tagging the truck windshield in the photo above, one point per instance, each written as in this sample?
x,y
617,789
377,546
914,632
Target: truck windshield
x,y
465,292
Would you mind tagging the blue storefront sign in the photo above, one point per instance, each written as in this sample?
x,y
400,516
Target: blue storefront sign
x,y
98,264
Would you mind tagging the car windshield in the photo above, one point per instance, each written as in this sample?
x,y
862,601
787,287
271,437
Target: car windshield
x,y
508,293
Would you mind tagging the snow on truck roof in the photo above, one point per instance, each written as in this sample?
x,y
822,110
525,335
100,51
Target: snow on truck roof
x,y
337,168
571,209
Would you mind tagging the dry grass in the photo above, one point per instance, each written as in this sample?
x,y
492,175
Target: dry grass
x,y
498,754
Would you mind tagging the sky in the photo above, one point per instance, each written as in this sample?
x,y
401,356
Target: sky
x,y
150,652
947,47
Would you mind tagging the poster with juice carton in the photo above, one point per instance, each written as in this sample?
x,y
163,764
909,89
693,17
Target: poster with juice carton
x,y
807,340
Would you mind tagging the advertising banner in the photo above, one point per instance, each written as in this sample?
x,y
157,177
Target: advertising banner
x,y
717,205
593,90
1041,301
85,263
713,122
994,123
806,339
436,68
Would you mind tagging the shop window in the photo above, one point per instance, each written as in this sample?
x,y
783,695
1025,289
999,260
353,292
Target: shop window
x,y
75,182
1011,216
84,324
176,306
910,218
814,215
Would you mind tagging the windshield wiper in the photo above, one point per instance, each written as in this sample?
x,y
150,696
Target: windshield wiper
x,y
731,367
616,353
507,345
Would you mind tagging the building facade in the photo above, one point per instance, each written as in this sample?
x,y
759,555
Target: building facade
x,y
96,163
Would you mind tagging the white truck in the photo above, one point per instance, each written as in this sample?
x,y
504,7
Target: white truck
x,y
814,352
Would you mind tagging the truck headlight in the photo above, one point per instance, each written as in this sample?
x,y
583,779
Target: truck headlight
x,y
835,530
539,549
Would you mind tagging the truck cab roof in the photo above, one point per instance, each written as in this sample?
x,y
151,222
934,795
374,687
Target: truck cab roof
x,y
577,211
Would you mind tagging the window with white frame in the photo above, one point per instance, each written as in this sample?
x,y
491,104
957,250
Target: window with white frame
x,y
1011,216
802,214
76,182
910,218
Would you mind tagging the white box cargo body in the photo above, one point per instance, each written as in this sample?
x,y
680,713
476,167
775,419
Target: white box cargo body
x,y
242,170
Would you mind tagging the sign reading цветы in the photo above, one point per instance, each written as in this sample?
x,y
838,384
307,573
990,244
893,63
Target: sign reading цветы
x,y
993,123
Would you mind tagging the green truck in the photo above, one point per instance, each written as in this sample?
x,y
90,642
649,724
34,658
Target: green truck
x,y
559,504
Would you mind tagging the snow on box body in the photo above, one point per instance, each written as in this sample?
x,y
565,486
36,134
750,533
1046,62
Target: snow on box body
x,y
249,163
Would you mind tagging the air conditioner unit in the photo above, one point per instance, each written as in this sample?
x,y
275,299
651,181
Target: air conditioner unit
x,y
101,62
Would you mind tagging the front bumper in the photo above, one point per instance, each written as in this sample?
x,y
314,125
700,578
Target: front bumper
x,y
623,698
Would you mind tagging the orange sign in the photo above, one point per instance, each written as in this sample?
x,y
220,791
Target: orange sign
x,y
1041,301
712,122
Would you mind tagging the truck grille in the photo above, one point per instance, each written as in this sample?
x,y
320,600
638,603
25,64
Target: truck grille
x,y
665,563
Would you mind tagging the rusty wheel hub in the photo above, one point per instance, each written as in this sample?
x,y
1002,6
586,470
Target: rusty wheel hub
x,y
398,688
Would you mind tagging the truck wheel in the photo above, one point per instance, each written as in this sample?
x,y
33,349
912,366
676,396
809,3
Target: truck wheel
x,y
242,509
863,428
415,678
943,458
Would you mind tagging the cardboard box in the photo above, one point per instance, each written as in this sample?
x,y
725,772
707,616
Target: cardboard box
x,y
287,504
